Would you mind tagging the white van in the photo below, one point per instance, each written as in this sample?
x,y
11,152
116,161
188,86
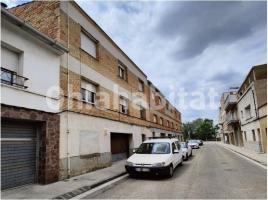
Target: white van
x,y
156,156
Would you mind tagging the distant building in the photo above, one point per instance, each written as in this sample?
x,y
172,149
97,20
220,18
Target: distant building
x,y
243,113
252,108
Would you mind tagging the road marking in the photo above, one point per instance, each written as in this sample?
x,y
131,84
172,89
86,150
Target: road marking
x,y
245,157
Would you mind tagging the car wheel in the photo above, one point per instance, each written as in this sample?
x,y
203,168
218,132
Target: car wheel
x,y
171,171
187,156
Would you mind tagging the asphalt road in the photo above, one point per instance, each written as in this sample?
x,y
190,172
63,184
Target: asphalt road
x,y
212,172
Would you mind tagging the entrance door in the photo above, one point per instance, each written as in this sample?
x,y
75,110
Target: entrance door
x,y
119,146
18,154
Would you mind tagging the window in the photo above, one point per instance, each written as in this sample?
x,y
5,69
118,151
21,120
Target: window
x,y
153,134
167,123
88,44
141,86
142,112
161,121
162,134
253,135
143,137
242,114
167,105
245,135
123,105
172,125
169,135
154,148
248,112
173,147
155,118
11,59
122,71
88,92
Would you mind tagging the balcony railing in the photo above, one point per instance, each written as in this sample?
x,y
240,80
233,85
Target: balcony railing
x,y
230,101
232,118
9,77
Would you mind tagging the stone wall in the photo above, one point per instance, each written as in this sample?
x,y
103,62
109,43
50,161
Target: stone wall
x,y
49,125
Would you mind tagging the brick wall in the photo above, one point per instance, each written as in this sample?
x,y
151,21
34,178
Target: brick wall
x,y
49,19
43,15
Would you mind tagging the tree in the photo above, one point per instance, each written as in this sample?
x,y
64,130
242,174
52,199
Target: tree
x,y
199,129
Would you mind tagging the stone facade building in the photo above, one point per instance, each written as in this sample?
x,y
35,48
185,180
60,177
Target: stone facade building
x,y
107,106
246,111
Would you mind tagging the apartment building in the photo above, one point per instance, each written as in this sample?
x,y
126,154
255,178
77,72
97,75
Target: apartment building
x,y
229,121
243,113
30,66
252,108
107,104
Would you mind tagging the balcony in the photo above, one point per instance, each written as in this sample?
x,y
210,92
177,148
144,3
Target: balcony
x,y
231,119
230,101
9,77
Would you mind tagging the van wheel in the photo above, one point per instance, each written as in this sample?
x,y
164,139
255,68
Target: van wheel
x,y
170,171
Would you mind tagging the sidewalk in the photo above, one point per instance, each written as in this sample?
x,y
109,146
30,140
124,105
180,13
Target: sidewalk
x,y
66,189
259,157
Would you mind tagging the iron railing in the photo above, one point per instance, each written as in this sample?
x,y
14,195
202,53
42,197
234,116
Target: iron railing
x,y
9,77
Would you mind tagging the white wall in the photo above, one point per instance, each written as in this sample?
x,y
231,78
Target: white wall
x,y
40,64
89,134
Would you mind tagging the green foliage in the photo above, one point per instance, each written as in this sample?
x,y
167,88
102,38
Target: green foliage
x,y
199,129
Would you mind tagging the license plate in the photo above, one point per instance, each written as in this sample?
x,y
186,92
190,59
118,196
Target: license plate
x,y
145,170
142,169
138,169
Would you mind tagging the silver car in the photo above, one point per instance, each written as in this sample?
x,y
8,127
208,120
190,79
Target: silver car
x,y
186,150
194,144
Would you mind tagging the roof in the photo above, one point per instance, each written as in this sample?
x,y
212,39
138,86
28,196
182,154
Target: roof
x,y
251,70
5,14
161,140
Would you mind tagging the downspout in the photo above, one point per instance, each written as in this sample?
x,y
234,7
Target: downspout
x,y
68,96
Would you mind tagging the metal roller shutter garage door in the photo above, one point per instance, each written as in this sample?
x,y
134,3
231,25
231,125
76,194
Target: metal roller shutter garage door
x,y
18,154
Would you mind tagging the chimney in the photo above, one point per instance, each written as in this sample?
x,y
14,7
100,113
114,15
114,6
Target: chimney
x,y
3,5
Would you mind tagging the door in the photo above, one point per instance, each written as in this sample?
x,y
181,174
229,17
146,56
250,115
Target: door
x,y
119,146
18,154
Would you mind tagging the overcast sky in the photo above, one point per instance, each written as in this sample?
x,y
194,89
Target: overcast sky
x,y
187,46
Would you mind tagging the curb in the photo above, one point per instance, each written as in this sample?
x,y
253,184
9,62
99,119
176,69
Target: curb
x,y
248,157
81,190
102,188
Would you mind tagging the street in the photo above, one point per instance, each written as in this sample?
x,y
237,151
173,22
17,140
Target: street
x,y
212,172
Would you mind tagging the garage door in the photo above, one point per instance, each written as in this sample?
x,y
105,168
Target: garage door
x,y
119,146
18,154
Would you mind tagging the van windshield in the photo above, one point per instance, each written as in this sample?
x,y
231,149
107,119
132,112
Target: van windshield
x,y
154,148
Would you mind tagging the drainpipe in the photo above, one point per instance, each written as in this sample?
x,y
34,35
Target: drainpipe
x,y
68,97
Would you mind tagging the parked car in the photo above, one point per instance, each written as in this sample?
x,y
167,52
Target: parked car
x,y
155,156
200,142
186,150
194,144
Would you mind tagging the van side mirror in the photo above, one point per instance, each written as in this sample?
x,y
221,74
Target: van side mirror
x,y
175,151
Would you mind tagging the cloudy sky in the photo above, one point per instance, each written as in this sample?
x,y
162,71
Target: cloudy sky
x,y
187,49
